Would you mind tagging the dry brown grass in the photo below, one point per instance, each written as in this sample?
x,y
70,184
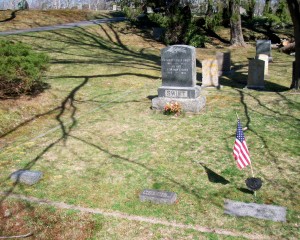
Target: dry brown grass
x,y
14,20
20,218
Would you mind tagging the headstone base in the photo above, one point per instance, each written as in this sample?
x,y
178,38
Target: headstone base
x,y
188,105
211,87
179,92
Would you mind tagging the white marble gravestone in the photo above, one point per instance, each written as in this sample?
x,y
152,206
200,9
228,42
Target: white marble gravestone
x,y
265,58
210,73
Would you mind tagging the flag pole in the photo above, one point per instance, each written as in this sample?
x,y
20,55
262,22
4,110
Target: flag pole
x,y
250,163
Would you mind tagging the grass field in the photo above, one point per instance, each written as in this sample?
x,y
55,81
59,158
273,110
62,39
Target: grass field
x,y
98,143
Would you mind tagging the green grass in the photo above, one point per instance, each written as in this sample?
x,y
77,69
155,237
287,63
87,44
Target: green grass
x,y
104,144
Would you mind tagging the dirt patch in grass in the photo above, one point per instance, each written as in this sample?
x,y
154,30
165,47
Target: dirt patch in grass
x,y
20,218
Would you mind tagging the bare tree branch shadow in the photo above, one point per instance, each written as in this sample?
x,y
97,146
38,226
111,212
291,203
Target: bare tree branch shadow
x,y
13,15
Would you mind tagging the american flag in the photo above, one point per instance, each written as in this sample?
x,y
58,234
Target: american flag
x,y
240,150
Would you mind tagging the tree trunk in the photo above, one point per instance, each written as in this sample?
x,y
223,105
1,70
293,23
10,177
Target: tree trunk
x,y
294,7
251,8
267,8
236,33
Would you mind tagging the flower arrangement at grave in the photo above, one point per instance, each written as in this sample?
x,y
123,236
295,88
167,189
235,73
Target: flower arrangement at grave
x,y
173,108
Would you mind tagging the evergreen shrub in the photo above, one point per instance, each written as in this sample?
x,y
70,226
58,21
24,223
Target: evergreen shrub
x,y
21,69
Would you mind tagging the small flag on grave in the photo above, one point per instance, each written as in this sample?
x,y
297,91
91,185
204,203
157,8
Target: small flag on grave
x,y
240,150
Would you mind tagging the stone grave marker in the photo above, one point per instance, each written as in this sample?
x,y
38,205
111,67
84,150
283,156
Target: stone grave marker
x,y
265,58
178,67
157,196
261,211
264,47
224,62
256,74
114,7
158,33
210,73
149,10
26,176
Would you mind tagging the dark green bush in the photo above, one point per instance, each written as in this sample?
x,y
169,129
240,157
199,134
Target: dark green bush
x,y
21,69
159,20
193,36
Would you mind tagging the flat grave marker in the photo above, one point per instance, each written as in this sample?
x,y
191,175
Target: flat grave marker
x,y
26,176
261,211
158,196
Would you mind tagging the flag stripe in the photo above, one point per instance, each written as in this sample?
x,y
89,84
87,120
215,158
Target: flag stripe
x,y
240,149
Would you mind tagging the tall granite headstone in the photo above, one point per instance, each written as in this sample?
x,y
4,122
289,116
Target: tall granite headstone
x,y
210,75
224,62
264,47
256,74
178,67
265,58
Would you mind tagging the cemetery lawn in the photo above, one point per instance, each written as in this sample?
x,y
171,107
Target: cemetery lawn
x,y
98,143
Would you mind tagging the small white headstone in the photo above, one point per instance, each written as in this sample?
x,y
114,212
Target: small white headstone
x,y
114,7
210,73
149,10
265,58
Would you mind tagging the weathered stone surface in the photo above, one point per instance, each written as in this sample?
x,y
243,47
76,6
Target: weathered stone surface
x,y
256,74
179,92
26,176
178,66
261,211
265,58
157,196
187,105
264,47
210,74
224,62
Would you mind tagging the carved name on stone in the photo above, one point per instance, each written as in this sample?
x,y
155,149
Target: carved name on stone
x,y
157,196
